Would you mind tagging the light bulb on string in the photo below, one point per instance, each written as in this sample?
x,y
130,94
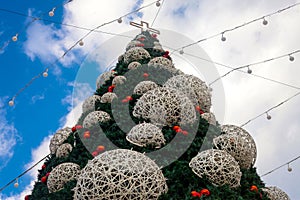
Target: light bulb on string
x,y
51,13
181,51
16,185
223,38
289,168
291,58
157,4
81,43
15,38
45,73
249,71
265,22
11,103
268,116
120,20
210,89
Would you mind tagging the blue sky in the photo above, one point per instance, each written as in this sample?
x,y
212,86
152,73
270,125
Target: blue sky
x,y
46,105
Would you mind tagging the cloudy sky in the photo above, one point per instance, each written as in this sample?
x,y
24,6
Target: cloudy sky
x,y
54,102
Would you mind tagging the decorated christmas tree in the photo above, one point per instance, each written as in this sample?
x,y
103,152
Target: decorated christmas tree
x,y
148,133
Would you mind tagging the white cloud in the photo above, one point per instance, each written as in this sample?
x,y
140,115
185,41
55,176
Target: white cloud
x,y
246,96
8,135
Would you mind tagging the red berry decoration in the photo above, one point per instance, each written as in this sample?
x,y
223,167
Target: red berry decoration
x,y
26,197
44,179
205,192
110,89
254,188
95,153
145,75
154,35
73,129
195,194
140,45
129,98
78,127
166,53
125,100
175,128
86,135
100,148
141,39
44,166
198,108
47,174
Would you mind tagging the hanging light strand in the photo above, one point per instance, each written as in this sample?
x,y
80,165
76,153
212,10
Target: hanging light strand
x,y
156,15
252,64
223,38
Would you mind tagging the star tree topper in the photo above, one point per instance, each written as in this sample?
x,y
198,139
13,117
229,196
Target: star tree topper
x,y
144,26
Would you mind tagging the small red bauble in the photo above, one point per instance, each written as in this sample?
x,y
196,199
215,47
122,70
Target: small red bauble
x,y
175,128
95,153
254,188
47,174
44,166
26,197
78,127
73,128
145,75
206,192
129,98
195,194
154,35
87,134
44,179
100,148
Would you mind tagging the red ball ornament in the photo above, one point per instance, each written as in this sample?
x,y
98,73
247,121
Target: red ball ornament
x,y
129,98
100,148
140,45
44,166
47,174
73,129
205,192
86,135
195,194
141,39
166,53
95,153
26,197
44,179
110,89
154,35
175,128
78,127
145,75
254,188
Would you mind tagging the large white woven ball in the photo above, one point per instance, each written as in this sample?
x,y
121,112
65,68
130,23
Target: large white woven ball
x,y
136,54
218,166
120,174
58,138
64,150
104,77
94,118
89,103
144,87
108,97
274,193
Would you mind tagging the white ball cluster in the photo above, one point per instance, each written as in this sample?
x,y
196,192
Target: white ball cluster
x,y
210,118
120,174
61,175
238,143
64,150
144,87
165,106
58,138
108,97
119,80
274,193
134,65
89,103
94,118
161,61
192,87
218,166
136,54
104,77
146,134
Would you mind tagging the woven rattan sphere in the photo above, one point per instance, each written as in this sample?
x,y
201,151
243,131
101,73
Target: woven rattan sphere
x,y
192,87
134,65
144,87
104,77
108,97
132,44
165,106
64,150
61,175
218,166
161,61
210,118
274,193
58,138
146,134
136,54
120,174
89,103
239,143
94,118
119,80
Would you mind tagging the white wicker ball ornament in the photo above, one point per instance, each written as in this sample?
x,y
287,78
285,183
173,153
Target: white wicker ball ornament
x,y
94,118
61,175
108,97
104,77
210,118
161,61
218,166
192,87
144,87
274,193
58,138
134,65
146,134
64,150
238,143
119,80
89,103
136,54
165,106
120,174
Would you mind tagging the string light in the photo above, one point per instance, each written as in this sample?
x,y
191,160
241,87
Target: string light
x,y
268,116
16,185
291,58
160,5
15,38
287,163
181,51
252,64
265,22
157,4
120,20
223,38
249,71
289,168
45,74
81,43
240,26
51,13
11,103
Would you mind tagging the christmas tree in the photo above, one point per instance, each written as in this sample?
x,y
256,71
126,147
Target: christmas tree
x,y
148,133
